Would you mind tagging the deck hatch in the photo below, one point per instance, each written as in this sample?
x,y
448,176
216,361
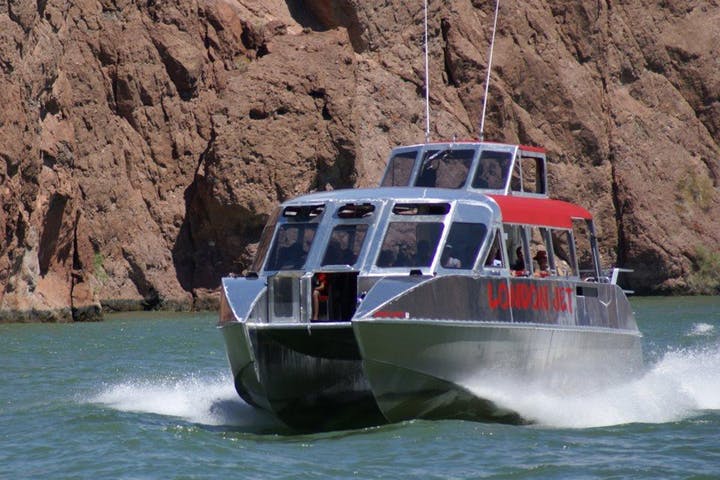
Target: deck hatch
x,y
355,210
421,208
303,212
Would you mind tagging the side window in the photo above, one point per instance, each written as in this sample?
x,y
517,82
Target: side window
x,y
583,248
542,253
463,245
516,248
265,239
532,175
528,175
399,170
494,256
515,180
564,253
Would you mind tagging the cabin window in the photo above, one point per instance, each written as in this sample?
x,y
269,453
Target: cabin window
x,y
564,252
528,175
283,291
265,239
583,248
533,175
445,168
516,244
345,244
409,244
542,255
399,169
492,170
494,256
463,245
291,246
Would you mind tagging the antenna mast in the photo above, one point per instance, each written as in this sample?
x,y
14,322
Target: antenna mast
x,y
427,80
487,79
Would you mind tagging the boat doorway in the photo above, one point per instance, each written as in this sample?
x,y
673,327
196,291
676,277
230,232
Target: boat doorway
x,y
338,299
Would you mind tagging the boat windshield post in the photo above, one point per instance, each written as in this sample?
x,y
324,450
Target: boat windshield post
x,y
594,247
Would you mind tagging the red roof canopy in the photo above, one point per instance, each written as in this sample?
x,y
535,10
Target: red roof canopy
x,y
539,211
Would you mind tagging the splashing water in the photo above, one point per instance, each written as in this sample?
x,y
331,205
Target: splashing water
x,y
701,329
206,401
681,385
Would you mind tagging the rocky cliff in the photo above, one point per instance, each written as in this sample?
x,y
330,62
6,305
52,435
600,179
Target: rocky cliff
x,y
143,144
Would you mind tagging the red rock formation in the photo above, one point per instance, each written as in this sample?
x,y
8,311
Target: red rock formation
x,y
144,144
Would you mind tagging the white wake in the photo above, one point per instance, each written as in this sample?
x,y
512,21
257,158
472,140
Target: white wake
x,y
201,400
684,383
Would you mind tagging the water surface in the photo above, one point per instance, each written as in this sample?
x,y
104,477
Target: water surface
x,y
145,396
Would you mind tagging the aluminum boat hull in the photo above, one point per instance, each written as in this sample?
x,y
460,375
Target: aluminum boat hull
x,y
309,376
441,369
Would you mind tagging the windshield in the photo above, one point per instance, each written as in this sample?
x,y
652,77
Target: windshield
x,y
410,244
291,246
445,168
345,244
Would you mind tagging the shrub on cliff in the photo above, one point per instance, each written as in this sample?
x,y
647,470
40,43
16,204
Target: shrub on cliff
x,y
705,278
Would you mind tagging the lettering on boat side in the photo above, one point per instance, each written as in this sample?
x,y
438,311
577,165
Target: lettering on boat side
x,y
530,296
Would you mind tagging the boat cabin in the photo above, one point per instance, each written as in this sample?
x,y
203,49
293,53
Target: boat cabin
x,y
474,166
350,239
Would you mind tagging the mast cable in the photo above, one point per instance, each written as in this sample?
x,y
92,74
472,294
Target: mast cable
x,y
427,80
487,79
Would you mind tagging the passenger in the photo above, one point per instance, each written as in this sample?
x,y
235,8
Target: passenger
x,y
320,292
333,254
403,258
447,260
386,258
543,269
518,268
347,254
422,257
291,256
495,260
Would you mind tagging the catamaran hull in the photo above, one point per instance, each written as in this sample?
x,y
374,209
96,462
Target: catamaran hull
x,y
309,376
445,369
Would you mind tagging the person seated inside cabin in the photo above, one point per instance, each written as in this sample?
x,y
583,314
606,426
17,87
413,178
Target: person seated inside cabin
x,y
447,260
543,269
494,260
422,256
333,254
518,267
404,256
386,258
320,293
291,256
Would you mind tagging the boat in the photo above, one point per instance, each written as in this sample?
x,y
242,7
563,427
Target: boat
x,y
366,306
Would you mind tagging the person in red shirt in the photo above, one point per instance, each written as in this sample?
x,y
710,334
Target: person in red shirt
x,y
319,293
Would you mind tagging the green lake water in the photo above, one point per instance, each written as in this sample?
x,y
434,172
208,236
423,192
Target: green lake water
x,y
149,396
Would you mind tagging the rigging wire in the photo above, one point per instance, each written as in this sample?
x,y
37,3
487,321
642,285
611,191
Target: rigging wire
x,y
427,80
489,67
